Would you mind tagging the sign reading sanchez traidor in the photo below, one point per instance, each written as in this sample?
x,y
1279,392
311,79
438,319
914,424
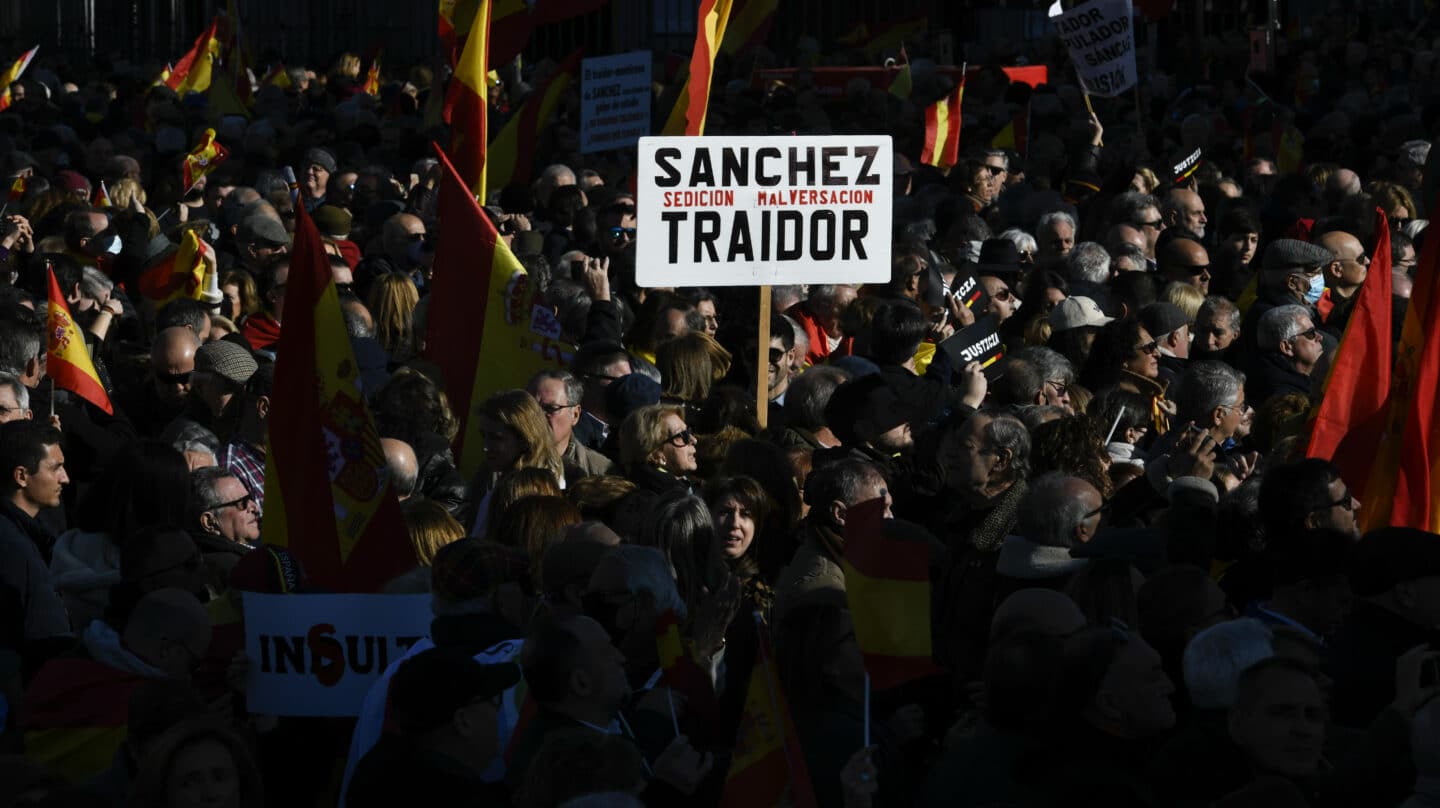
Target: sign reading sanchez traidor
x,y
746,211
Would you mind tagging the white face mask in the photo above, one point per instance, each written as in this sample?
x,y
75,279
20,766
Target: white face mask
x,y
1317,288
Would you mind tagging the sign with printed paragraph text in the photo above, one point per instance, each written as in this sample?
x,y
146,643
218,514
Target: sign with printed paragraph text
x,y
748,211
614,101
1101,38
317,655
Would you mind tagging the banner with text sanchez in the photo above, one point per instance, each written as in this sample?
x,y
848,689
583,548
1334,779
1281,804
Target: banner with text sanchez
x,y
746,211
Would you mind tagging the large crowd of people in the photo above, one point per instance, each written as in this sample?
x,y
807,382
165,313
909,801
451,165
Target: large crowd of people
x,y
1142,593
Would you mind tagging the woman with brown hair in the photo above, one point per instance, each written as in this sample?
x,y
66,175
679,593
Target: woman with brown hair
x,y
242,299
532,524
743,513
198,763
517,436
430,526
689,368
392,302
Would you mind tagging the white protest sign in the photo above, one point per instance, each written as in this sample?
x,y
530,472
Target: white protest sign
x,y
1101,38
614,101
317,655
747,211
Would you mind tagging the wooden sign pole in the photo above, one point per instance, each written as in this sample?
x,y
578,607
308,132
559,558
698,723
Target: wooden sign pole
x,y
762,361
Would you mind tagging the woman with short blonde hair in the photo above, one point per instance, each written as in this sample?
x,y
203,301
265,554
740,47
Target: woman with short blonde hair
x,y
690,365
393,298
430,526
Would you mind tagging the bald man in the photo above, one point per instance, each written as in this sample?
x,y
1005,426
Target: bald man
x,y
1185,210
1343,278
406,249
165,392
1184,260
404,468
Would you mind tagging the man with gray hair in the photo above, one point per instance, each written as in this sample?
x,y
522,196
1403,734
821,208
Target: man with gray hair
x,y
1128,258
1056,375
1289,348
1089,263
1217,325
223,508
1212,396
1058,513
1054,235
14,399
559,393
1142,212
805,408
1184,209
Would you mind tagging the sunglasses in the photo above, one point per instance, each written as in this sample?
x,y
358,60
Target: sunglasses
x,y
241,503
174,378
1197,270
1001,294
1103,510
1152,347
1158,224
551,409
618,233
995,171
682,438
1311,334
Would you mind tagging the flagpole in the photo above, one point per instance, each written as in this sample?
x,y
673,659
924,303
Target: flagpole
x,y
52,398
674,722
867,709
762,361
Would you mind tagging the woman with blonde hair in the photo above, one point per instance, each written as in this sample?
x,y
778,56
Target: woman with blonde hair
x,y
1397,203
1186,298
657,449
430,526
125,191
689,367
517,436
393,298
242,298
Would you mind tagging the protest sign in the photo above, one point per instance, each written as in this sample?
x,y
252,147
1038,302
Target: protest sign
x,y
1101,38
967,289
748,211
317,655
978,342
614,101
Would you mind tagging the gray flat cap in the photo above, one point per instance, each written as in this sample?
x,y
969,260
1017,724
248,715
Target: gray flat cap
x,y
1289,253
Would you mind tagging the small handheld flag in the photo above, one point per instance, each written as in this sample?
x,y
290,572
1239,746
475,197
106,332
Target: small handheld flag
x,y
101,197
68,361
204,159
12,75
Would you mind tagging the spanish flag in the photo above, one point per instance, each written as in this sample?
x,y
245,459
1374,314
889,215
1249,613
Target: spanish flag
x,y
709,34
68,362
488,329
1350,419
75,715
467,103
181,274
17,189
206,156
942,129
165,73
1015,135
372,76
192,73
277,76
768,766
680,672
328,495
12,75
511,156
1399,490
887,584
100,198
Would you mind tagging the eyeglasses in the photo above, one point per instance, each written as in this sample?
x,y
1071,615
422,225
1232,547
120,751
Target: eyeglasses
x,y
1060,387
1001,294
684,437
1362,259
241,503
776,355
1158,224
1196,270
551,409
1152,347
1027,256
618,233
1103,510
1311,334
1345,501
995,171
173,378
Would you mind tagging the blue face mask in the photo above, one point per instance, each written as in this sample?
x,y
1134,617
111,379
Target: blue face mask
x,y
413,251
1317,288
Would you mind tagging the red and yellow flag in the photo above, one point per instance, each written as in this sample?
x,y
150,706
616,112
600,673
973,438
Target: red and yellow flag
x,y
75,715
277,76
100,198
512,21
483,314
1015,134
328,494
887,584
942,129
768,766
181,274
206,156
17,189
1350,419
511,155
467,103
68,362
709,34
680,672
193,72
372,76
12,75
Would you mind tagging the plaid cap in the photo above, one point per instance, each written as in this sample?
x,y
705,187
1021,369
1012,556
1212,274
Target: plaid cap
x,y
472,568
320,157
1291,254
226,359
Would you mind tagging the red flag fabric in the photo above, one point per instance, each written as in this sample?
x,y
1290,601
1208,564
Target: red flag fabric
x,y
768,766
1351,417
512,21
887,584
195,59
709,33
942,129
328,494
680,672
68,361
206,157
467,105
510,156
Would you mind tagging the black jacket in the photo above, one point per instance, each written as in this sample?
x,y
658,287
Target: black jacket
x,y
1272,375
